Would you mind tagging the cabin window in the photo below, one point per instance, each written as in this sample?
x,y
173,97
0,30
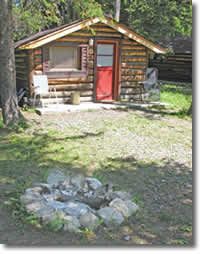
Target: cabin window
x,y
64,58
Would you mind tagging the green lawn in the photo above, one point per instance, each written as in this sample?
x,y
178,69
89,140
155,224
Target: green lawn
x,y
179,99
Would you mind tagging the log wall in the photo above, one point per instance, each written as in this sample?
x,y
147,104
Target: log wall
x,y
134,60
176,67
21,63
133,63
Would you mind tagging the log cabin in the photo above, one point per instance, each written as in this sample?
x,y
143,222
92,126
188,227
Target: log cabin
x,y
99,57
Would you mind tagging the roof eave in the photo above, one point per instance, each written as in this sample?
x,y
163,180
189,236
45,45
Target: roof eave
x,y
108,21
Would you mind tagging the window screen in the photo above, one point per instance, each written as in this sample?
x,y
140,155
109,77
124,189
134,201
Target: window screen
x,y
64,57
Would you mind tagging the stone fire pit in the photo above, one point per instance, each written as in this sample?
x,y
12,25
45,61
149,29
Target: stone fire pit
x,y
79,202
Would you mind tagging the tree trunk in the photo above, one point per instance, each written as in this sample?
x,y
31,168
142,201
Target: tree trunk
x,y
8,95
117,9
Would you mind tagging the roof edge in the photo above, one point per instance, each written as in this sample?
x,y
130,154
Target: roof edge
x,y
68,29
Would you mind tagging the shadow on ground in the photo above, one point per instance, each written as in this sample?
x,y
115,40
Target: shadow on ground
x,y
163,192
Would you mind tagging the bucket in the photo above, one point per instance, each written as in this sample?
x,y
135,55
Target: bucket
x,y
75,98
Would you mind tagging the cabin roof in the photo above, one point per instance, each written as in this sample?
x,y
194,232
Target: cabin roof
x,y
47,36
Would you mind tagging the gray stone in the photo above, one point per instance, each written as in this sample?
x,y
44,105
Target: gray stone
x,y
71,224
30,198
57,205
76,209
127,238
35,190
121,194
132,207
35,206
110,216
78,181
46,213
55,177
89,220
45,188
120,206
93,183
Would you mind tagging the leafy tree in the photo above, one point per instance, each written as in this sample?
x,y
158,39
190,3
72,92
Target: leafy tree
x,y
8,95
158,19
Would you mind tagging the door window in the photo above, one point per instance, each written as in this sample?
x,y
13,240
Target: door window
x,y
105,54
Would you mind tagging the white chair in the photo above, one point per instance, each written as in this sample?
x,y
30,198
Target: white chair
x,y
41,88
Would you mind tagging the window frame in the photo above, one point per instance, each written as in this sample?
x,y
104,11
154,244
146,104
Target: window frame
x,y
62,72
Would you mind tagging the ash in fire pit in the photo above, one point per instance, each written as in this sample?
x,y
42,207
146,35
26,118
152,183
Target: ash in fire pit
x,y
80,202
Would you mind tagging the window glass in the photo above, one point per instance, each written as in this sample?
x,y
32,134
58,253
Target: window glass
x,y
104,49
104,61
63,57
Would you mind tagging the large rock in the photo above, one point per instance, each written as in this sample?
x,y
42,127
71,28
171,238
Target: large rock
x,y
121,194
57,205
78,181
55,177
30,198
35,206
71,224
43,188
76,209
125,207
89,220
46,213
93,183
120,206
132,207
110,216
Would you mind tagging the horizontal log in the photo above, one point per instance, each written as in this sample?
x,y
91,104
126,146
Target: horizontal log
x,y
133,53
131,96
110,35
66,81
132,66
20,60
23,72
103,29
132,78
132,72
129,83
134,59
132,47
20,55
65,99
70,87
129,42
63,94
73,39
21,67
131,90
21,78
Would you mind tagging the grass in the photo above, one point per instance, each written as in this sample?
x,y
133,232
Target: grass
x,y
178,98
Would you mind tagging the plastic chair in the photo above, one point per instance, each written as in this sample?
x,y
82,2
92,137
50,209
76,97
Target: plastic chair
x,y
41,88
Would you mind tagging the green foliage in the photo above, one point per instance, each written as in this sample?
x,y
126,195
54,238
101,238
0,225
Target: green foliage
x,y
55,224
159,19
154,19
33,16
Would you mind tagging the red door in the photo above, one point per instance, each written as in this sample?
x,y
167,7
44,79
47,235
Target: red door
x,y
105,71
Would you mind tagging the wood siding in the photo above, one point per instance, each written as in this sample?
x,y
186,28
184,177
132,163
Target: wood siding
x,y
176,67
133,59
21,63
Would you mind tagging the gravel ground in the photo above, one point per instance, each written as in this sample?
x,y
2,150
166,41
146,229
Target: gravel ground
x,y
148,155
